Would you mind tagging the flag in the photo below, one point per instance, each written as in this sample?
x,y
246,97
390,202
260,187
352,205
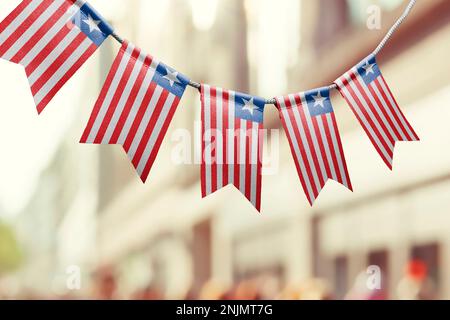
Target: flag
x,y
310,124
371,100
232,144
135,107
52,39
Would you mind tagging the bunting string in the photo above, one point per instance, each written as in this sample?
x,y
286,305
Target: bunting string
x,y
52,39
380,47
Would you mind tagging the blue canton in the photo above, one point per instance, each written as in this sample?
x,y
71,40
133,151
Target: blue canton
x,y
83,16
319,102
170,80
368,69
249,108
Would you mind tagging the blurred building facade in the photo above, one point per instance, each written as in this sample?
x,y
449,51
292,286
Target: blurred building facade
x,y
161,237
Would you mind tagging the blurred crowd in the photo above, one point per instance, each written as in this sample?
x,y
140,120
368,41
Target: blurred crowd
x,y
415,285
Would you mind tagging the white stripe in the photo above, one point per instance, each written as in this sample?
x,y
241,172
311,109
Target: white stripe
x,y
207,137
219,137
369,111
314,138
376,106
230,136
242,153
125,97
47,38
137,103
110,94
56,52
364,120
397,110
156,133
145,122
61,72
31,31
296,146
307,147
17,22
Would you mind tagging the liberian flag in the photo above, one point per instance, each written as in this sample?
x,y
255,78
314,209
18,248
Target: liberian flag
x,y
310,124
51,39
232,144
371,100
136,106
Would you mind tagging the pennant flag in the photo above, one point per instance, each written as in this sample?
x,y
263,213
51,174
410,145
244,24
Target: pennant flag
x,y
232,143
310,124
52,39
371,100
135,107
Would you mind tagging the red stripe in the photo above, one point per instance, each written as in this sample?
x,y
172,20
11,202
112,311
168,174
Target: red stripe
x,y
292,145
248,164
26,24
203,165
357,81
315,163
84,57
29,45
237,143
117,95
341,151
334,153
46,51
395,107
225,124
150,128
61,60
259,172
388,117
321,152
160,138
14,14
369,120
306,163
139,117
391,108
103,93
131,100
312,149
213,142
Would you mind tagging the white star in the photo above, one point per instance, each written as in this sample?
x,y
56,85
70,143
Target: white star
x,y
369,68
319,100
92,24
249,106
172,77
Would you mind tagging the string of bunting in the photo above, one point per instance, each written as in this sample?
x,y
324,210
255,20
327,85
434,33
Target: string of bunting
x,y
52,39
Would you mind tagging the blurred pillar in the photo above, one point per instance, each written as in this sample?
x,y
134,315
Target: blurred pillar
x,y
240,48
201,253
300,255
445,267
399,258
222,256
357,264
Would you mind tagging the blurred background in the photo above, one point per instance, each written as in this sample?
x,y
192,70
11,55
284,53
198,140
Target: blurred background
x,y
68,209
